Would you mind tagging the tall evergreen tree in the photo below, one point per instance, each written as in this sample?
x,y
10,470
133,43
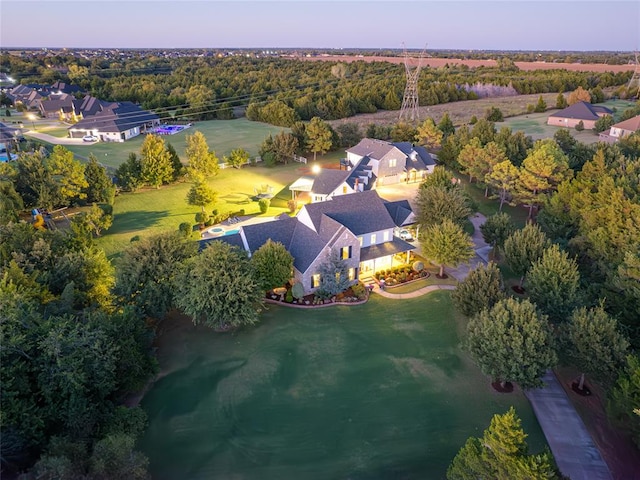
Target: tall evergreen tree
x,y
155,162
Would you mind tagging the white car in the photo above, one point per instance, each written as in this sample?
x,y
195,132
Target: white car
x,y
89,138
405,234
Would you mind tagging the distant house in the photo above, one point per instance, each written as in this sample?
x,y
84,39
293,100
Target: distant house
x,y
61,106
63,87
115,122
9,137
368,164
619,130
29,96
578,112
359,226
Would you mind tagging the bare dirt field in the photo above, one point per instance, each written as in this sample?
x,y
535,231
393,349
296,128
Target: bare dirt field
x,y
441,62
459,112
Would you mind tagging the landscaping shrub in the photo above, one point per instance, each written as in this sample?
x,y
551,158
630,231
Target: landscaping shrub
x,y
580,126
264,203
297,290
494,114
359,290
418,266
186,229
289,297
292,205
201,218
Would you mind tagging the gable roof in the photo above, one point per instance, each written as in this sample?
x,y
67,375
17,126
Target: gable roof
x,y
56,103
631,124
371,147
64,87
401,212
328,180
116,117
361,213
582,111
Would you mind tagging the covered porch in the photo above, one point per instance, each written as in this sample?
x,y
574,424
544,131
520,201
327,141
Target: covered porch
x,y
384,256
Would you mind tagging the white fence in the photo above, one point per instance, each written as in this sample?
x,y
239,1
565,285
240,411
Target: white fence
x,y
257,159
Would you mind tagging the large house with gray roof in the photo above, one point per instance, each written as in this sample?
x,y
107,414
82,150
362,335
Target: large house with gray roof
x,y
360,227
369,164
114,122
578,112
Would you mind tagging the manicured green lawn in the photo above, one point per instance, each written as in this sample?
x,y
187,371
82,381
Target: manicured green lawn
x,y
222,137
376,391
153,210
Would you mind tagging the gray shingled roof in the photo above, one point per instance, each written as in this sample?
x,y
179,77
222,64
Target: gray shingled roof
x,y
116,117
8,133
397,245
328,180
55,103
582,111
362,212
371,147
401,212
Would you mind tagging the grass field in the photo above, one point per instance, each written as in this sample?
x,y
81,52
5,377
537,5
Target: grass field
x,y
153,210
222,137
376,391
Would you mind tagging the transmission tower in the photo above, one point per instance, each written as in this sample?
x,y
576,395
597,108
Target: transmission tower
x,y
634,83
409,109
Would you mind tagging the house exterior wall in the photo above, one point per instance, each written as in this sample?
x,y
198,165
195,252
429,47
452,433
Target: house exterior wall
x,y
381,236
570,122
619,132
353,158
346,239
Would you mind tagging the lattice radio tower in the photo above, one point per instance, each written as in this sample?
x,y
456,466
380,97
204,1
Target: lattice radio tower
x,y
634,83
409,109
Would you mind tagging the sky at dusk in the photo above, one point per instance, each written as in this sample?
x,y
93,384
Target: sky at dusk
x,y
473,24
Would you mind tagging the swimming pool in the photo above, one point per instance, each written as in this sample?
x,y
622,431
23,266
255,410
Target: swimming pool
x,y
221,231
5,158
169,129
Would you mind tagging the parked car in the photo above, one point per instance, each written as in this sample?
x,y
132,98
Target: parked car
x,y
405,235
89,138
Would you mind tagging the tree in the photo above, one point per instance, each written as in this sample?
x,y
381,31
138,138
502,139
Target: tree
x,y
200,194
98,182
436,204
496,229
35,183
318,136
579,95
334,276
603,123
273,265
501,454
200,98
512,342
176,163
482,289
285,146
10,203
129,173
403,132
67,173
541,106
446,244
218,288
595,345
429,135
561,101
469,157
624,401
155,162
484,130
524,247
553,283
439,178
146,272
494,114
201,160
503,179
94,221
349,134
237,158
446,125
545,167
114,458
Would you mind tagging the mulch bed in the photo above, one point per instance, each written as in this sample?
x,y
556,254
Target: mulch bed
x,y
585,391
518,289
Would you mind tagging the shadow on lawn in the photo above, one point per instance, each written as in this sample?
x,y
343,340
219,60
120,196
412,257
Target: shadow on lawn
x,y
237,198
135,220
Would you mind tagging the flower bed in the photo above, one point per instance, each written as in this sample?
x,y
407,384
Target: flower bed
x,y
402,275
355,294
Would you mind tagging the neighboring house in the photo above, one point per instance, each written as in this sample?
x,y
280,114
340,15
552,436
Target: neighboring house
x,y
60,106
369,164
619,130
391,162
578,112
115,122
63,87
358,226
9,138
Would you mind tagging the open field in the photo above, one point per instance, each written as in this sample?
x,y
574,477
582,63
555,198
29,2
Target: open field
x,y
441,62
376,391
